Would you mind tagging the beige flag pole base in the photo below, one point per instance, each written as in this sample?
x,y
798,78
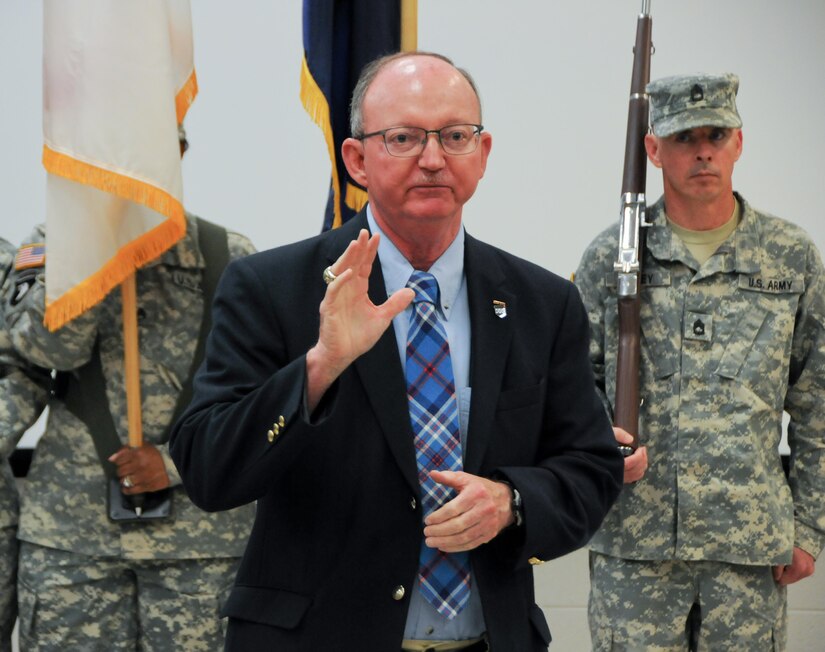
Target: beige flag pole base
x,y
131,360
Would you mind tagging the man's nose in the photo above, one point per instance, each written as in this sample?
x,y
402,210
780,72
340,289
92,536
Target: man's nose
x,y
704,150
432,157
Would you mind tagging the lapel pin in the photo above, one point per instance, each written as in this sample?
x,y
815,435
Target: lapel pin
x,y
500,308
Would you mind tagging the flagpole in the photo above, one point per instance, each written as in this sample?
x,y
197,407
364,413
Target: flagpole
x,y
131,365
409,25
131,360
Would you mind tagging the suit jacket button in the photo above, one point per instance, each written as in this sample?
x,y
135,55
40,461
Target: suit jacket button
x,y
413,503
398,593
270,436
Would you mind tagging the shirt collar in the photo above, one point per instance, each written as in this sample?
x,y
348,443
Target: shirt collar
x,y
448,269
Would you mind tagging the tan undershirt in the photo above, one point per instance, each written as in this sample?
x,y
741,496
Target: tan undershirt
x,y
703,244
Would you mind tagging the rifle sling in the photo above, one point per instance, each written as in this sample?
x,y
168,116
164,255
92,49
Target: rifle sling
x,y
85,388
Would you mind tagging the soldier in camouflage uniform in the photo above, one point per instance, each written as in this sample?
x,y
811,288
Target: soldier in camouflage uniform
x,y
23,395
85,582
732,318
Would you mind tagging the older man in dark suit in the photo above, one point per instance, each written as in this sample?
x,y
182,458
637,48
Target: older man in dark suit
x,y
411,456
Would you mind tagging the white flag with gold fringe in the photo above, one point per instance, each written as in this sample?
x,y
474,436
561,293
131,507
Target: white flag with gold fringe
x,y
118,78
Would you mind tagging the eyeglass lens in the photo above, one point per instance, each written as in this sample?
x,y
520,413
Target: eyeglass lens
x,y
410,141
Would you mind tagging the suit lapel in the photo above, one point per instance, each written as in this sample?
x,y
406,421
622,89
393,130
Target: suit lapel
x,y
491,335
379,369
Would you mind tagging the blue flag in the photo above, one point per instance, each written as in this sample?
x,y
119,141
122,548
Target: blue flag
x,y
340,37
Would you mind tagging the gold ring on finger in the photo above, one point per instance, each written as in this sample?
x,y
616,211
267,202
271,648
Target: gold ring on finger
x,y
329,276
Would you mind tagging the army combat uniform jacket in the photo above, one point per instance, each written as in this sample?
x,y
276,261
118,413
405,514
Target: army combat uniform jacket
x,y
23,393
726,347
64,504
23,388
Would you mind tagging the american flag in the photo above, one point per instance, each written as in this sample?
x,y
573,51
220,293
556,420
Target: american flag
x,y
31,255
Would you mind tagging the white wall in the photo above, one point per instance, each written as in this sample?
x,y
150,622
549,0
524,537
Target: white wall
x,y
554,79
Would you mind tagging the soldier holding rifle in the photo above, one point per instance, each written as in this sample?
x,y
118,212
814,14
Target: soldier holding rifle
x,y
732,315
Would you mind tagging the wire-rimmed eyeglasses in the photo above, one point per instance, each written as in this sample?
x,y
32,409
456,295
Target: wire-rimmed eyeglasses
x,y
411,141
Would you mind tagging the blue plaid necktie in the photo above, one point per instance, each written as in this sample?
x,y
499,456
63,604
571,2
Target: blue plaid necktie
x,y
444,578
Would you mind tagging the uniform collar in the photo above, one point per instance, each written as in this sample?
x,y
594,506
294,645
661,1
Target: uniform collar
x,y
741,248
185,253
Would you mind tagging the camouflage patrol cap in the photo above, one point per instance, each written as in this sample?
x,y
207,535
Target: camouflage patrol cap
x,y
690,101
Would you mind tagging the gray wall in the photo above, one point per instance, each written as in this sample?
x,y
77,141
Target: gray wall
x,y
554,79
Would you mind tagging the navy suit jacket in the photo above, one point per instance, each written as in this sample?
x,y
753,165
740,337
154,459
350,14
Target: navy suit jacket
x,y
333,554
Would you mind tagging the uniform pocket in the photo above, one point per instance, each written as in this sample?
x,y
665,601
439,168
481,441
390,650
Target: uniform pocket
x,y
27,607
757,349
741,343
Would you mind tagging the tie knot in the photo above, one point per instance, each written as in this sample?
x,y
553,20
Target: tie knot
x,y
425,287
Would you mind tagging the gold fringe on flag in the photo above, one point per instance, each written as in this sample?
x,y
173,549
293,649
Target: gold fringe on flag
x,y
131,256
316,105
185,96
356,198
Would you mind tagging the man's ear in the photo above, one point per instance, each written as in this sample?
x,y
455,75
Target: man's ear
x,y
352,151
652,149
738,144
485,145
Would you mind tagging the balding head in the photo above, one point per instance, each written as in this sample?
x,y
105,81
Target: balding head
x,y
403,61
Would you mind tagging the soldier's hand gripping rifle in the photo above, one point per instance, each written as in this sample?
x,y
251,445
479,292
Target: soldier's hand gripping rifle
x,y
628,266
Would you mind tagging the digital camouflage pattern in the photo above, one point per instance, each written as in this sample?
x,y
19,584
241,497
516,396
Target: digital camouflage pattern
x,y
23,396
641,606
689,101
64,505
96,607
8,555
726,347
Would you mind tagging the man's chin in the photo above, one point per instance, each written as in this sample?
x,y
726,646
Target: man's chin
x,y
423,193
432,207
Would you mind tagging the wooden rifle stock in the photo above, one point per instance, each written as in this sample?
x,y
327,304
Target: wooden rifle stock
x,y
626,406
628,266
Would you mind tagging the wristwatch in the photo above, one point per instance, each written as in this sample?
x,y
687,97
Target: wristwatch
x,y
515,505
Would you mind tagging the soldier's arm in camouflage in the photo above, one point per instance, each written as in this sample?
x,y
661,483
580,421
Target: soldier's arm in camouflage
x,y
805,403
25,305
23,396
589,279
23,389
239,246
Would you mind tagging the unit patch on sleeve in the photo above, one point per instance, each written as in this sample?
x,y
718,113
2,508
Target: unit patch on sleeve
x,y
22,284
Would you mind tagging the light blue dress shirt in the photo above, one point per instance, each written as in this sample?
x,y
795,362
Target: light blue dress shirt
x,y
423,621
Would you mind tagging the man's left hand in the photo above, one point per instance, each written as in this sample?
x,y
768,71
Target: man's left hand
x,y
475,516
801,566
140,469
